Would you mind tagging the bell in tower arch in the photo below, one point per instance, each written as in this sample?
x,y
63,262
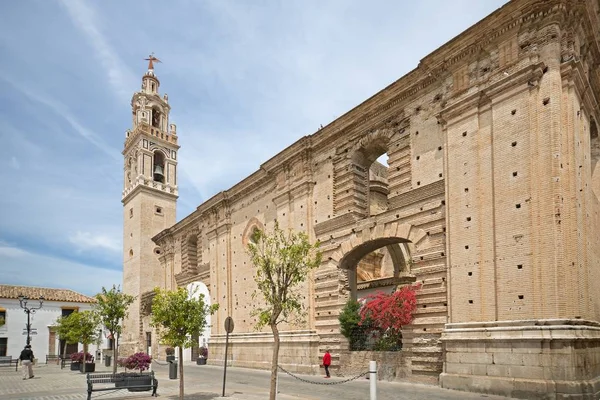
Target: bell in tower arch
x,y
159,162
158,173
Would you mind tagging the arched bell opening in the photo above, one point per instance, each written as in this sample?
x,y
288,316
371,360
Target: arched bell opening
x,y
158,172
156,114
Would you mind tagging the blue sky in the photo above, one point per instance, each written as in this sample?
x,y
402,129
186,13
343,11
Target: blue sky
x,y
245,79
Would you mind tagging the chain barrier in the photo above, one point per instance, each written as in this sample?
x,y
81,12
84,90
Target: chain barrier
x,y
323,383
159,363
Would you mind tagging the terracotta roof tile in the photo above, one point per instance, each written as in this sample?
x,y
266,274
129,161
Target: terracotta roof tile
x,y
66,295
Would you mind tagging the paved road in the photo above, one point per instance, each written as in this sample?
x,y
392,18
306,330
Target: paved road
x,y
205,383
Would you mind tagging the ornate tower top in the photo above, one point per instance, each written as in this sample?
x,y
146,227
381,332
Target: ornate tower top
x,y
150,82
151,144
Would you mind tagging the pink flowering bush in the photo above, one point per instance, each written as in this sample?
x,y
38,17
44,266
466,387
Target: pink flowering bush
x,y
139,361
78,357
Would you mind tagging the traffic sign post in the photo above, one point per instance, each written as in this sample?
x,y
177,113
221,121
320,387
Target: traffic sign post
x,y
228,328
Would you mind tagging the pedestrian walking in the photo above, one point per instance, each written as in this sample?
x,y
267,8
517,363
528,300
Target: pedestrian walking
x,y
327,363
26,358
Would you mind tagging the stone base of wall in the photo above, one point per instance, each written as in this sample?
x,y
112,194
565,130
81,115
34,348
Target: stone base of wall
x,y
391,365
529,359
298,351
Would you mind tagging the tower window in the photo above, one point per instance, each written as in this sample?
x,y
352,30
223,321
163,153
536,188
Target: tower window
x,y
131,213
155,118
158,210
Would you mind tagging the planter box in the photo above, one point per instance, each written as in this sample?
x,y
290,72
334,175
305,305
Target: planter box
x,y
75,366
134,379
87,367
201,361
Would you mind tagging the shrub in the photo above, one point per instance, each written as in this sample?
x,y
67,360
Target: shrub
x,y
203,351
170,351
139,361
78,357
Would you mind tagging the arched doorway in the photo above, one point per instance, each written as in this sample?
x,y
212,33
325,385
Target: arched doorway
x,y
195,290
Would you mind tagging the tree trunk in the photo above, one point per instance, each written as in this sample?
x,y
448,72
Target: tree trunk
x,y
274,362
180,373
115,353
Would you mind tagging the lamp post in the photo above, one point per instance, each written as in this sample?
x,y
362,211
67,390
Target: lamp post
x,y
29,310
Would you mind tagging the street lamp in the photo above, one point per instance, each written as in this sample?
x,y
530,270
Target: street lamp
x,y
29,310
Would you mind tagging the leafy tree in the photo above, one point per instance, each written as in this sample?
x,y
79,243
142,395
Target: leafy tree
x,y
65,327
85,327
112,307
388,313
178,318
282,261
2,321
352,327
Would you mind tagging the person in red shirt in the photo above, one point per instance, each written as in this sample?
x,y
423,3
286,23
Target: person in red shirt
x,y
327,363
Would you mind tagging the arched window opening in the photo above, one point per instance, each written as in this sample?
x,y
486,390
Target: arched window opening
x,y
378,185
159,167
156,118
371,167
595,157
382,265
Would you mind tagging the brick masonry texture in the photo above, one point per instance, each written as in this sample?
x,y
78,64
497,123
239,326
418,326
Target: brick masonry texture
x,y
490,201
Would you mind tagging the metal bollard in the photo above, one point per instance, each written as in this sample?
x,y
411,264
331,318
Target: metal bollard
x,y
373,379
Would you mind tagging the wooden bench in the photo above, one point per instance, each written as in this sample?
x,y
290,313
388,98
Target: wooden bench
x,y
7,361
53,357
102,382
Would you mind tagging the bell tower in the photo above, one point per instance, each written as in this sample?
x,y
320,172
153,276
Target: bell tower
x,y
149,201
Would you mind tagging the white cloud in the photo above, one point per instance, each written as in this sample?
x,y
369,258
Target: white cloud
x,y
62,111
85,18
21,267
89,241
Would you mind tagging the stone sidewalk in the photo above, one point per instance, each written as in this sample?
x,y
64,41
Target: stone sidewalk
x,y
205,383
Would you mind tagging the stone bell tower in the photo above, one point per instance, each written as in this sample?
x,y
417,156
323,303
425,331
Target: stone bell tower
x,y
149,203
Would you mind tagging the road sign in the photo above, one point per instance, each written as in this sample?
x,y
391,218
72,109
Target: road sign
x,y
31,333
229,325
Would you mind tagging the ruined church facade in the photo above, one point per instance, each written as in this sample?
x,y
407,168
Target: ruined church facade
x,y
489,200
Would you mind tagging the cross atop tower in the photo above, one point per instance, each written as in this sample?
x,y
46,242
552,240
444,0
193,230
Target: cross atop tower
x,y
151,59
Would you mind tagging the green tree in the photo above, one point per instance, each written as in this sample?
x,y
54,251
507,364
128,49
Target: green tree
x,y
178,318
66,329
351,326
112,308
283,261
86,326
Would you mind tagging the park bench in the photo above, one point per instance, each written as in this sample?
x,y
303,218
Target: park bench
x,y
65,360
132,382
52,357
7,361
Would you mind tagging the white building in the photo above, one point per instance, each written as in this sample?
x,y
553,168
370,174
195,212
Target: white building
x,y
44,340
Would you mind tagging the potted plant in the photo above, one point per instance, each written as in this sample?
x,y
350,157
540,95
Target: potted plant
x,y
202,356
77,359
140,362
170,352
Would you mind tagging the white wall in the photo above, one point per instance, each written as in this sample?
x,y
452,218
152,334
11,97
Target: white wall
x,y
16,322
